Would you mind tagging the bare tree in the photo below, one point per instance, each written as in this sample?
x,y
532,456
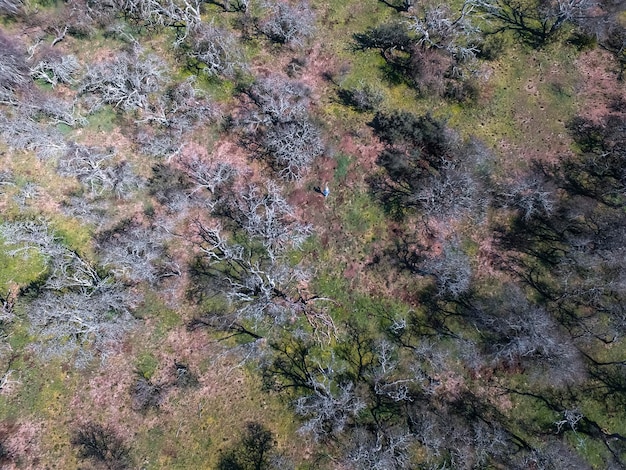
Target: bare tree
x,y
265,215
363,97
184,377
254,451
519,331
100,444
13,69
90,166
258,288
438,27
429,168
571,417
553,454
78,309
182,15
125,81
329,409
281,126
135,253
83,18
453,191
147,395
452,271
216,50
253,273
292,146
21,131
535,21
388,450
97,170
531,195
51,110
171,188
87,209
169,117
461,433
56,69
27,193
84,323
209,176
10,7
277,99
288,24
232,5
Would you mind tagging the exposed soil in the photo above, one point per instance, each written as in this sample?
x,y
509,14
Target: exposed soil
x,y
21,441
600,89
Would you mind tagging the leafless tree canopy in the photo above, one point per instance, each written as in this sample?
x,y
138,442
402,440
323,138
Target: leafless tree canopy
x,y
125,81
135,253
281,126
10,7
328,411
216,49
288,24
13,69
429,168
438,27
98,172
169,118
79,310
260,283
452,270
534,21
21,131
102,445
56,69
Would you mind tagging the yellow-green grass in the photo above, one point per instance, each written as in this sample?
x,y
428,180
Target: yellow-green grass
x,y
21,269
528,97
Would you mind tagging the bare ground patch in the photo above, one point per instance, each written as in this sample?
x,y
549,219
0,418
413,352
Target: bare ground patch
x,y
600,89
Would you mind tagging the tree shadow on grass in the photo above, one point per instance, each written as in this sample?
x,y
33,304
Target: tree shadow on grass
x,y
253,452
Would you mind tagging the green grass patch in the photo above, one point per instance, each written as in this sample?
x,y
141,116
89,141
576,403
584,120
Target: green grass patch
x,y
164,317
346,18
360,215
43,390
593,451
64,128
103,120
530,410
72,234
146,365
218,88
343,165
349,304
20,336
196,437
20,269
328,284
528,97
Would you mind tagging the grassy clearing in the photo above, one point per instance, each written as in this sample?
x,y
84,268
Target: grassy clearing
x,y
146,365
344,163
43,391
19,270
154,309
72,234
527,99
103,120
346,18
191,433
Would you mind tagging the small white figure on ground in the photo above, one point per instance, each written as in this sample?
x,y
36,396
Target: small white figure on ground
x,y
325,191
